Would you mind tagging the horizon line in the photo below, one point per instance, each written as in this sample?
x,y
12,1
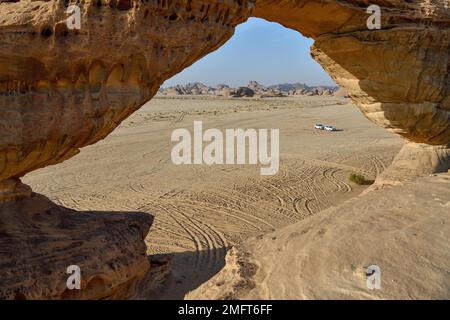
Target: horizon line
x,y
244,85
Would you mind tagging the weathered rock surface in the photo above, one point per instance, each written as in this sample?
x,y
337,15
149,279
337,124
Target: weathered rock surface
x,y
403,229
415,160
63,89
40,240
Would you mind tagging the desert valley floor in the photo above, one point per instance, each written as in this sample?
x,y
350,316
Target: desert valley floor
x,y
200,211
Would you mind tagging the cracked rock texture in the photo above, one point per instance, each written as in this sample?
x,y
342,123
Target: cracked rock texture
x,y
63,89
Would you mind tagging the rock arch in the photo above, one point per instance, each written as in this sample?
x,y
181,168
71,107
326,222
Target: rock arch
x,y
61,91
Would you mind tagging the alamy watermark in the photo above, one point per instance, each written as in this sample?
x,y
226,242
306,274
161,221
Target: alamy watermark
x,y
373,274
74,280
236,146
74,20
374,21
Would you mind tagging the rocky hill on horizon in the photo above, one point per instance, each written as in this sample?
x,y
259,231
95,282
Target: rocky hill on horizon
x,y
252,89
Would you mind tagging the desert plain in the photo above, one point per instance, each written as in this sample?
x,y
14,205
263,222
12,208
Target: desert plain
x,y
202,211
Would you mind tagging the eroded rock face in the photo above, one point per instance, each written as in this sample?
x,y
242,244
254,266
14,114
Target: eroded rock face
x,y
63,89
40,240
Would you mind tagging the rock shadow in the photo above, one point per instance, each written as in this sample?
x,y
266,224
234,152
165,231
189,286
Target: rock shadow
x,y
173,275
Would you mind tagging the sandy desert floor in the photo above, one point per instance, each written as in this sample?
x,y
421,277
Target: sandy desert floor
x,y
200,211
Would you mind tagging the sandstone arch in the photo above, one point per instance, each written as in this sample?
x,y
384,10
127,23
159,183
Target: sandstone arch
x,y
62,90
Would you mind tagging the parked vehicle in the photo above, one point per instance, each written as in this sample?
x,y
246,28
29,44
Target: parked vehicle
x,y
319,126
330,128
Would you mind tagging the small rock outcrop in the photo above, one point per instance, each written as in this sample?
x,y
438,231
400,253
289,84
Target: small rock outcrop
x,y
241,92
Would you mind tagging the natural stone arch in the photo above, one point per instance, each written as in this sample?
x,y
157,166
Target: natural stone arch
x,y
63,89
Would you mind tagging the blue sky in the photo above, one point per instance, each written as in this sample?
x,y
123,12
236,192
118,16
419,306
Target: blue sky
x,y
259,50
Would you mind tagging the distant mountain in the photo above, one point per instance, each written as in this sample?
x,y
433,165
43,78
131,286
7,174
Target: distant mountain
x,y
222,86
253,88
197,88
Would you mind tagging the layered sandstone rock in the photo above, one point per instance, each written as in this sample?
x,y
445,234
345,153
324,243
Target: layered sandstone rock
x,y
63,89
